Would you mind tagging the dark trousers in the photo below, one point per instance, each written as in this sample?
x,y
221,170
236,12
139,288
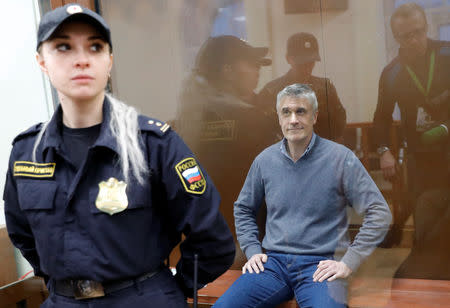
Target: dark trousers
x,y
160,290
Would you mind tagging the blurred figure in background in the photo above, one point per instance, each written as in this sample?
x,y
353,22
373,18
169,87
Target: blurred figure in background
x,y
302,54
418,80
218,117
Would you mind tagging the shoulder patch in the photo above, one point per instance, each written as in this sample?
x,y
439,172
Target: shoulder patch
x,y
153,125
191,176
33,130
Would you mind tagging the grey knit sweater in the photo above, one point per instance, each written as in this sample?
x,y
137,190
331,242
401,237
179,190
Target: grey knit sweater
x,y
306,203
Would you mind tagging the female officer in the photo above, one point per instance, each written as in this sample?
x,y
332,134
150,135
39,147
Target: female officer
x,y
97,197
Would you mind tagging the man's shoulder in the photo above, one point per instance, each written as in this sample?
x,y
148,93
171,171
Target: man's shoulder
x,y
394,65
276,85
269,152
391,71
319,80
331,147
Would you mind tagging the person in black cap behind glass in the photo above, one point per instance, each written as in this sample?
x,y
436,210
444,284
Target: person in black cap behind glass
x,y
302,54
218,119
97,197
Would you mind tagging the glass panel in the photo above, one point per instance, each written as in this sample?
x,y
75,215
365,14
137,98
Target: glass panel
x,y
168,65
213,69
172,62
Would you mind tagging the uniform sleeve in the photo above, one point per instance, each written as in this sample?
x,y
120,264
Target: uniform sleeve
x,y
193,209
245,212
382,119
17,224
364,196
338,116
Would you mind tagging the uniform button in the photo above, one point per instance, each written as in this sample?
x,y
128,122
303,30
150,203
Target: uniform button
x,y
151,122
158,124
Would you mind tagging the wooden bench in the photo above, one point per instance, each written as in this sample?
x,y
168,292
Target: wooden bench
x,y
363,292
27,293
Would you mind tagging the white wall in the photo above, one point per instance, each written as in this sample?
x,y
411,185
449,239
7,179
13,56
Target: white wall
x,y
148,67
24,94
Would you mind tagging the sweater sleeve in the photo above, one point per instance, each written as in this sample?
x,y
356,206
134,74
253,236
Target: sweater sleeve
x,y
245,210
365,197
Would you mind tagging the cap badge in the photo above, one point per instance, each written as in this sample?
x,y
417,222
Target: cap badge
x,y
73,9
307,45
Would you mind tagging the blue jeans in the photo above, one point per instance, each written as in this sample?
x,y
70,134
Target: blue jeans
x,y
284,277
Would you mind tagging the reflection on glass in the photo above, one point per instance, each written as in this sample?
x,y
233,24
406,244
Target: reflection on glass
x,y
418,80
217,114
159,70
161,66
301,54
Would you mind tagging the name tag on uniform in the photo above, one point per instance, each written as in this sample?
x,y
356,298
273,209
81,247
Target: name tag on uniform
x,y
112,197
34,170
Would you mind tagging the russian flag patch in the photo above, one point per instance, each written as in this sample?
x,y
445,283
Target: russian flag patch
x,y
191,176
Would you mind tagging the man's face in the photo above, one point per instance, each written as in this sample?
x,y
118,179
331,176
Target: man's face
x,y
411,33
297,118
302,69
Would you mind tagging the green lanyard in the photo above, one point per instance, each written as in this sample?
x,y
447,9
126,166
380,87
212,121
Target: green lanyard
x,y
430,76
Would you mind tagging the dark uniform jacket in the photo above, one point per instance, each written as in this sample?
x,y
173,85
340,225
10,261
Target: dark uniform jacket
x,y
397,86
225,133
52,217
331,119
427,163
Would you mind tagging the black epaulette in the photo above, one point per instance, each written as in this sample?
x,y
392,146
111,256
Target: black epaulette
x,y
153,125
33,130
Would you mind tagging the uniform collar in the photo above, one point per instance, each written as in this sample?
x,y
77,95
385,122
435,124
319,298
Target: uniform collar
x,y
283,146
53,137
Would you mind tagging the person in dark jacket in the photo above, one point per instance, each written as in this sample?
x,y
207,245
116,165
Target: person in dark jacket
x,y
302,54
418,81
97,197
218,119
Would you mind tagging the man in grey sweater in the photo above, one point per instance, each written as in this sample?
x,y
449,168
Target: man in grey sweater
x,y
306,182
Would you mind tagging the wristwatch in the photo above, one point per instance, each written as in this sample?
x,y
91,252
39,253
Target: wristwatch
x,y
382,149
